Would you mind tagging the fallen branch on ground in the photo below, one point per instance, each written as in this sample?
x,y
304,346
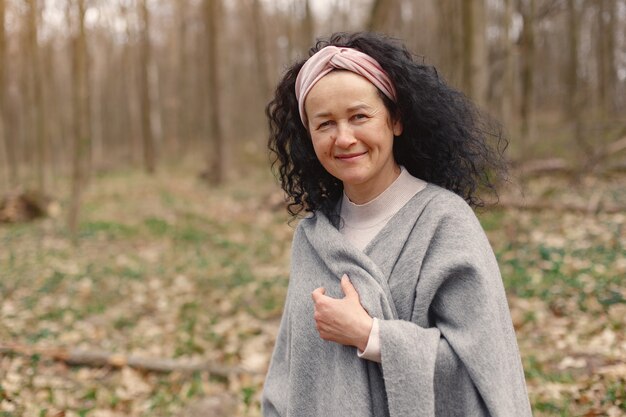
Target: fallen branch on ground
x,y
540,167
544,166
98,358
594,206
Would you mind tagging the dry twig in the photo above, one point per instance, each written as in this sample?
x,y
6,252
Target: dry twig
x,y
594,206
98,358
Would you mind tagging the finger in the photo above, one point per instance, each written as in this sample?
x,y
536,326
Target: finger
x,y
318,293
347,287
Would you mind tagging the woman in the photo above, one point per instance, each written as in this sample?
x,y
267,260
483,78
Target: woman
x,y
395,304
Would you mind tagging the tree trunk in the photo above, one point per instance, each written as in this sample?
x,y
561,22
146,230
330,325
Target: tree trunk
x,y
81,115
474,51
468,46
308,31
258,19
4,138
7,136
601,57
182,120
381,10
605,49
215,174
571,75
449,29
611,47
37,107
149,153
508,89
132,113
572,79
527,73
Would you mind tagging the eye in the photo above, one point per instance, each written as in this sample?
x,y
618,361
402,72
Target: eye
x,y
324,124
359,116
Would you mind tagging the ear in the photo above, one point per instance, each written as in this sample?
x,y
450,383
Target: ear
x,y
397,127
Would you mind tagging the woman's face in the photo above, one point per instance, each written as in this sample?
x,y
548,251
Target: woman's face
x,y
352,134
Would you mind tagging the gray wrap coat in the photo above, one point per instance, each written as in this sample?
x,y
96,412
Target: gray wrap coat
x,y
448,346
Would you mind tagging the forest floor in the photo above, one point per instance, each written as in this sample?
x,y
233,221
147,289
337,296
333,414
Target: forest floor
x,y
168,268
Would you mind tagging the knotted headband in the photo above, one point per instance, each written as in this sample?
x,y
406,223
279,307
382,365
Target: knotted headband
x,y
332,57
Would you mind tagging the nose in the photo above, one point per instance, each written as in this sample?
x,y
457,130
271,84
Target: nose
x,y
345,137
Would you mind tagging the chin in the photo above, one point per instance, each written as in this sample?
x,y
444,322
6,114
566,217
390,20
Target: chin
x,y
352,180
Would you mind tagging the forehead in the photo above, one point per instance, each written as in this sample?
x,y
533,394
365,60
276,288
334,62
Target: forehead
x,y
339,87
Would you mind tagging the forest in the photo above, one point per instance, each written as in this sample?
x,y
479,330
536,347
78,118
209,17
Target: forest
x,y
145,242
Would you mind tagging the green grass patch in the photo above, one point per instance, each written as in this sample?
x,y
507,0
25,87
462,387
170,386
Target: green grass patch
x,y
157,227
108,229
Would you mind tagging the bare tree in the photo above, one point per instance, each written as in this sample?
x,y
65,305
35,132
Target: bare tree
x,y
81,120
308,32
474,50
259,47
149,149
202,93
37,103
379,15
528,11
131,117
572,67
182,121
4,140
508,89
216,166
605,48
449,31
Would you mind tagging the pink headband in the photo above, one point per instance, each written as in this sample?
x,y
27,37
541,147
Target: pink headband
x,y
332,57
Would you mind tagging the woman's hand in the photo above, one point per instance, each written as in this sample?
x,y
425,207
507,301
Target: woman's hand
x,y
344,320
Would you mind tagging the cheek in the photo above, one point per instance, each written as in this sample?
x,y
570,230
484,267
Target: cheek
x,y
321,148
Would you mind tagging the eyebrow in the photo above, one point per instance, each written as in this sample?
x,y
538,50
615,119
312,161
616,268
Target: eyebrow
x,y
356,107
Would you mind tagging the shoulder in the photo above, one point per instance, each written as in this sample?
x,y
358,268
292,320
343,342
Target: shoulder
x,y
310,225
448,218
307,222
445,204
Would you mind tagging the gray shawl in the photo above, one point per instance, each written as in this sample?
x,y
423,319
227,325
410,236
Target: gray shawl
x,y
448,347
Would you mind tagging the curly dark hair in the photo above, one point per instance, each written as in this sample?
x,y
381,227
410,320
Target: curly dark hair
x,y
445,139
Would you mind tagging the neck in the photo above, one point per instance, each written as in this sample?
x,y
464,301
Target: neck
x,y
366,192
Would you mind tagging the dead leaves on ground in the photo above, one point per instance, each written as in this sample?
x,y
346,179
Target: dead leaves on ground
x,y
169,269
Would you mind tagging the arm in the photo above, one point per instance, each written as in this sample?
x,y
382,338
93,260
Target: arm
x,y
458,348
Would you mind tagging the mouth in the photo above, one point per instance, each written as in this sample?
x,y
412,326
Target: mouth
x,y
350,156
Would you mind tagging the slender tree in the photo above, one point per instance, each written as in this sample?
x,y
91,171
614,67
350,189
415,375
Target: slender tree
x,y
4,141
259,48
149,151
182,121
308,29
37,103
449,31
573,87
605,53
508,89
474,61
572,67
379,15
129,81
216,168
527,40
81,120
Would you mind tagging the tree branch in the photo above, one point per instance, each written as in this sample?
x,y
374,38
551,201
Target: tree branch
x,y
100,358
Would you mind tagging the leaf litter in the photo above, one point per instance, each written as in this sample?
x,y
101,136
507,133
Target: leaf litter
x,y
167,268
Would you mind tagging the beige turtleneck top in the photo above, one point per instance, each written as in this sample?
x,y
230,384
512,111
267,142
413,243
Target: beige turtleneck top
x,y
362,222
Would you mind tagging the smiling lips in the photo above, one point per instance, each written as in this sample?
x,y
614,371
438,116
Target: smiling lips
x,y
350,156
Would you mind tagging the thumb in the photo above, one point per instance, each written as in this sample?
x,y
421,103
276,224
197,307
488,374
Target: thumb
x,y
318,293
348,288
